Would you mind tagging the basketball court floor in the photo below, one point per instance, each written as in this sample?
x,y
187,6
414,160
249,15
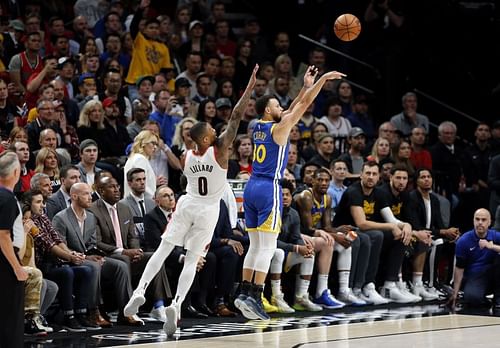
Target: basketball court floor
x,y
430,325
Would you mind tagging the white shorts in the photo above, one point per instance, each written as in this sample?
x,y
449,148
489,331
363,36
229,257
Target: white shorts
x,y
192,225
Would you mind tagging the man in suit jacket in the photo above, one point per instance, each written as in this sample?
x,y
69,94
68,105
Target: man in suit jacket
x,y
139,202
78,228
61,199
420,201
116,236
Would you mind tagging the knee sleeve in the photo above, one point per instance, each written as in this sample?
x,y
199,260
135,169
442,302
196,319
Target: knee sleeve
x,y
263,260
306,266
277,261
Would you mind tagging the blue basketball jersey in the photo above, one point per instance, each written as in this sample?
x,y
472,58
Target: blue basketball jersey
x,y
269,158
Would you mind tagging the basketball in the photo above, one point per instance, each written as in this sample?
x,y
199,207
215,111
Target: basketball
x,y
347,27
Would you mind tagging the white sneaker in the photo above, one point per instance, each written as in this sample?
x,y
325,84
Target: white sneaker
x,y
403,287
303,303
373,296
350,299
393,293
419,290
158,314
136,300
170,325
359,294
282,305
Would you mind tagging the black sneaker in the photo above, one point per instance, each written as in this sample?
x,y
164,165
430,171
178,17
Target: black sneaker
x,y
84,321
32,328
72,324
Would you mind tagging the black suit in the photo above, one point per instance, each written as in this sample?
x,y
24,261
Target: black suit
x,y
417,216
447,168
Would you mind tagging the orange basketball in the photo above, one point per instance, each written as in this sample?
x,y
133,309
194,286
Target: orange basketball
x,y
347,27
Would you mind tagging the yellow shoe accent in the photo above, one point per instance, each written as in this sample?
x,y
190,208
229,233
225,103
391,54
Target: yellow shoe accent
x,y
268,308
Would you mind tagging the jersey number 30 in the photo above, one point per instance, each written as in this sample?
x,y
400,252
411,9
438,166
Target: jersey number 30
x,y
202,186
259,153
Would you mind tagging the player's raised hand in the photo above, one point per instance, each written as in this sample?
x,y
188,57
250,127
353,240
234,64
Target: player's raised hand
x,y
334,75
310,76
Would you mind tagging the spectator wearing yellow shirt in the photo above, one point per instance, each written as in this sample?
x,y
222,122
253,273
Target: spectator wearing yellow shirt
x,y
149,54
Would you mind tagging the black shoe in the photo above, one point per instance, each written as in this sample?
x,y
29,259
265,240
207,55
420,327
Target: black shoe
x,y
72,324
31,327
206,310
191,312
84,321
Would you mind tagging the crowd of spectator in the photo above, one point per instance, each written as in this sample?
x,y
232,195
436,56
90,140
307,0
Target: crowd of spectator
x,y
99,110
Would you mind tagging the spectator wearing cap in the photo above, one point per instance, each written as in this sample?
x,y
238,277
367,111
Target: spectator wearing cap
x,y
354,156
193,68
224,108
409,118
149,55
13,43
195,41
87,86
88,158
359,117
26,63
66,67
162,115
144,85
116,135
47,74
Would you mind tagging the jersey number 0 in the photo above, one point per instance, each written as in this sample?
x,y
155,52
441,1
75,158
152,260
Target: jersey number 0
x,y
202,186
259,153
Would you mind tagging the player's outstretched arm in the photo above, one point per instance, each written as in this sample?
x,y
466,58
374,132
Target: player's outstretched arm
x,y
293,115
229,134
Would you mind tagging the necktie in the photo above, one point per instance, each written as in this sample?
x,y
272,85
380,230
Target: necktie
x,y
116,227
141,205
69,203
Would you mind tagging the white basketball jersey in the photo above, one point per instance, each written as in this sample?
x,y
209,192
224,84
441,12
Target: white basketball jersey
x,y
205,177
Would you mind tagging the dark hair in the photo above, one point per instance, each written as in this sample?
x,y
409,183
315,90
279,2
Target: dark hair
x,y
331,101
201,108
261,104
198,131
303,169
399,167
420,170
370,163
64,170
338,160
287,184
27,198
322,170
132,172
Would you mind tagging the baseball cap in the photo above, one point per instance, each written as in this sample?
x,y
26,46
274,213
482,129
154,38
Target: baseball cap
x,y
223,103
182,82
16,24
356,131
107,102
143,78
195,22
63,60
86,143
84,77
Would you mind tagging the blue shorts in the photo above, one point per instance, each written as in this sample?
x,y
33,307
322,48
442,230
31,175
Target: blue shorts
x,y
263,205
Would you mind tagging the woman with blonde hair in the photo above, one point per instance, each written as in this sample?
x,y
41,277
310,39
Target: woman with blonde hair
x,y
47,163
283,68
381,149
144,147
180,144
91,123
241,158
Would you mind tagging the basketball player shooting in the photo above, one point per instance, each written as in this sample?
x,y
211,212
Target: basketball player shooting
x,y
262,197
194,220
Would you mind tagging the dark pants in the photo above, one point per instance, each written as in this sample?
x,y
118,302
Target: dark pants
x,y
391,258
11,307
365,257
227,266
72,281
480,284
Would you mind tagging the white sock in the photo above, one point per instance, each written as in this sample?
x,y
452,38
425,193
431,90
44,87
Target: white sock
x,y
400,277
276,287
301,286
322,284
417,278
388,284
344,281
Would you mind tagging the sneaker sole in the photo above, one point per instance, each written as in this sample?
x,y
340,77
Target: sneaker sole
x,y
170,325
74,330
245,311
133,305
